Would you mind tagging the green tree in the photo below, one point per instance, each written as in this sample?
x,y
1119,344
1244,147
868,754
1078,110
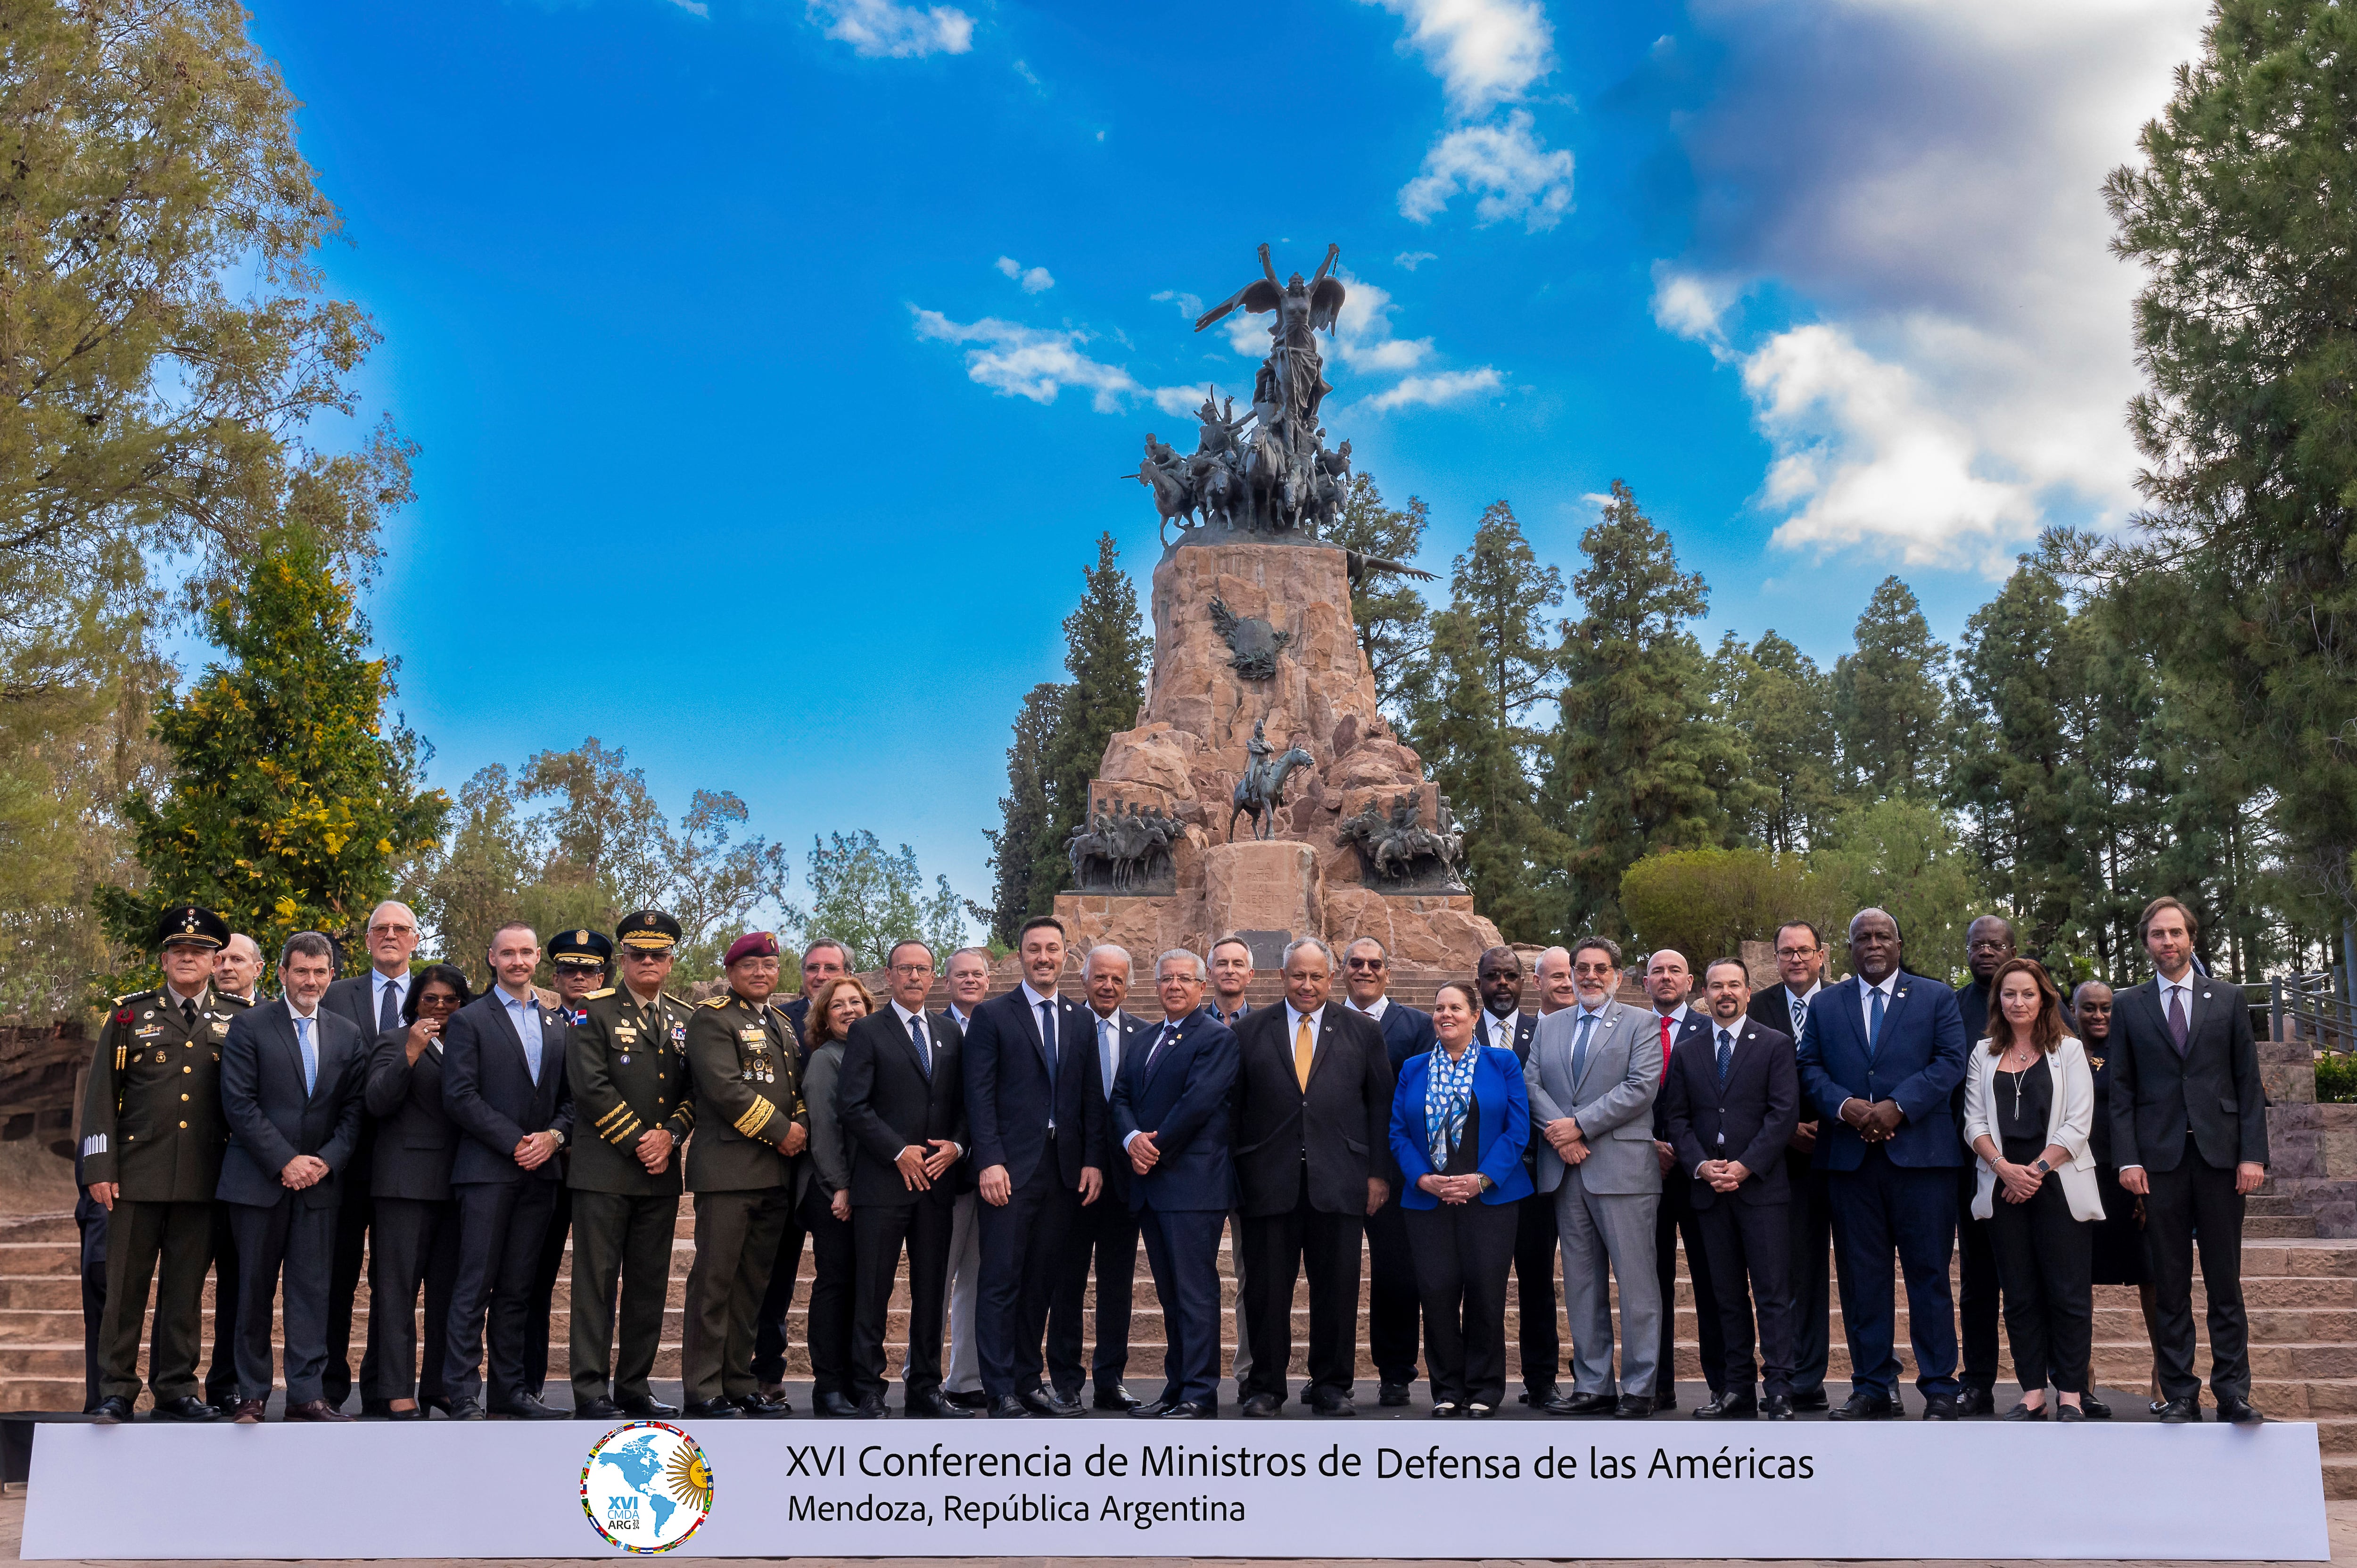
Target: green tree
x,y
1391,616
1638,760
1780,705
868,898
1023,813
1890,713
1901,855
1708,902
292,797
1488,667
1105,652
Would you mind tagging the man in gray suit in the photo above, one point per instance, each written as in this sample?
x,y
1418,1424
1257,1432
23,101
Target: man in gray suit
x,y
1595,1072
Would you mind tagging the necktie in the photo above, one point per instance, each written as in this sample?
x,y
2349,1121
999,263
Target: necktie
x,y
1579,1047
1047,1038
917,1039
2177,1027
388,1016
1170,1032
1104,1052
310,1055
1665,1047
1874,1024
1800,1016
188,1014
1726,1053
1302,1050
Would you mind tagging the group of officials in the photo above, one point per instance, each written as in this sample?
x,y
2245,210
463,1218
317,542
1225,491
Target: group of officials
x,y
1014,1148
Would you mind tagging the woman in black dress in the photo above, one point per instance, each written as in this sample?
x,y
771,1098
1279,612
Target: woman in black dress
x,y
2119,1235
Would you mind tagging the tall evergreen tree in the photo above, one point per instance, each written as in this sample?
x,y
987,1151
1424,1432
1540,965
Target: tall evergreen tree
x,y
2117,818
1023,811
1889,712
1638,760
1105,652
1781,705
1391,616
1489,666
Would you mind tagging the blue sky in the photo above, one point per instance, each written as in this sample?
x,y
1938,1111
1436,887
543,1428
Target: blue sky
x,y
772,361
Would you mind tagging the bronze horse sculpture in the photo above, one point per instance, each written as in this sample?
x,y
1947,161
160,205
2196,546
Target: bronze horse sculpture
x,y
1262,790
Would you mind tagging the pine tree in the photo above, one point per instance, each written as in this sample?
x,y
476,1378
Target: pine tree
x,y
1890,713
1489,666
1023,811
1781,705
1105,652
292,798
1391,616
1637,761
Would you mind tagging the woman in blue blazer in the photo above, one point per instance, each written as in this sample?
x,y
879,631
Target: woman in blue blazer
x,y
1459,1120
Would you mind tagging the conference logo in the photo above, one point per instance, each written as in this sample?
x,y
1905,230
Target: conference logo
x,y
646,1487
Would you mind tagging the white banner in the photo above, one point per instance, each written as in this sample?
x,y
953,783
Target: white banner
x,y
1232,1488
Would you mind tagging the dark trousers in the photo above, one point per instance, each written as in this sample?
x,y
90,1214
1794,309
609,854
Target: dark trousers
x,y
878,1234
1538,1251
500,1228
735,1247
2196,1200
1979,1286
1881,1208
1748,1245
1182,1248
543,1289
621,1260
1461,1253
1104,1241
1808,1271
1395,1308
352,1216
301,1242
413,1246
770,1339
1023,1252
1675,1218
90,1220
827,1336
220,1372
2045,1263
169,1244
1283,1248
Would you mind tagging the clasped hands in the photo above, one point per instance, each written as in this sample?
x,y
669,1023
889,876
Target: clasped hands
x,y
1451,1188
654,1149
1563,1137
921,1165
1724,1175
302,1170
1876,1123
534,1150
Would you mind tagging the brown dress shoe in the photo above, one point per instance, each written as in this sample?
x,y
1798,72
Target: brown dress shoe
x,y
315,1410
248,1413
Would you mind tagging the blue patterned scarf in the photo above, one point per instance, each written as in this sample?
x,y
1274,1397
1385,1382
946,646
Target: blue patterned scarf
x,y
1447,1096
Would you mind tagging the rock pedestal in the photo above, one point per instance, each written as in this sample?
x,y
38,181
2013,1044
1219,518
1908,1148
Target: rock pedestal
x,y
1187,753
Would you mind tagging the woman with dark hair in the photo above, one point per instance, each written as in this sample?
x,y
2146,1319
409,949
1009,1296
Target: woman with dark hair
x,y
414,1238
1460,1117
2029,1101
835,1007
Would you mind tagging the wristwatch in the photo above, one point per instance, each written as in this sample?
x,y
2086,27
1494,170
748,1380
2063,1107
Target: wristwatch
x,y
2041,1167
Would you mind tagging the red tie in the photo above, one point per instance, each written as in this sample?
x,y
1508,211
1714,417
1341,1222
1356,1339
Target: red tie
x,y
1665,1047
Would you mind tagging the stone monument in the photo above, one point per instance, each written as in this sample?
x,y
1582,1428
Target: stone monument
x,y
1262,792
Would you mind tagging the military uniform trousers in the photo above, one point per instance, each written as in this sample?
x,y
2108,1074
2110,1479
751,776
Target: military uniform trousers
x,y
89,1220
499,1227
736,1235
141,1235
621,1237
414,1243
770,1339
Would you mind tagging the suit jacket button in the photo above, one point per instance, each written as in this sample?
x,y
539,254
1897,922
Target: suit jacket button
x,y
184,1098
184,1126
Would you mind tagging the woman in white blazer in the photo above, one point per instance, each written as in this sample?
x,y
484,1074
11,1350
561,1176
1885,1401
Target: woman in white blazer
x,y
2030,1103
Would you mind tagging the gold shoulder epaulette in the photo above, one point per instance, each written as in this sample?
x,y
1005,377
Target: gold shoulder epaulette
x,y
715,1001
595,994
126,997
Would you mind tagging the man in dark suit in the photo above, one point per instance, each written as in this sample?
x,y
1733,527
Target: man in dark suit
x,y
822,960
1881,1057
2189,1131
1170,1119
1037,1117
413,1232
1231,974
1988,945
1498,975
1801,966
1313,1105
290,1092
901,1103
237,980
1394,1311
1669,982
1105,1237
1734,1093
503,1083
372,1002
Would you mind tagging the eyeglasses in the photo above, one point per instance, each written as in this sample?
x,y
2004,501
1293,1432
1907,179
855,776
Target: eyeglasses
x,y
912,969
1366,963
392,930
1797,953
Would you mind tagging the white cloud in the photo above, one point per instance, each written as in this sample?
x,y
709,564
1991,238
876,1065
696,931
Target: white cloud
x,y
1190,306
1016,360
693,8
1485,51
1408,261
1504,163
1447,386
880,29
1362,333
1034,281
1692,306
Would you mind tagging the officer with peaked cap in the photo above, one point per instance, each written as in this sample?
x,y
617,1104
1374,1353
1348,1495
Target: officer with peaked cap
x,y
151,1154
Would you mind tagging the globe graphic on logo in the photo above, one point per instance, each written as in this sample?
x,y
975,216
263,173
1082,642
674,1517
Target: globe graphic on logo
x,y
646,1487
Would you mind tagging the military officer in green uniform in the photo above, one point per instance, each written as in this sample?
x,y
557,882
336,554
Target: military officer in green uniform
x,y
627,1067
742,1167
151,1154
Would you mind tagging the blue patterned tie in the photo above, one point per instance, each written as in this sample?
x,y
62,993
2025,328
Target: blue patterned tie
x,y
917,1039
1726,1055
1579,1049
310,1055
1874,1024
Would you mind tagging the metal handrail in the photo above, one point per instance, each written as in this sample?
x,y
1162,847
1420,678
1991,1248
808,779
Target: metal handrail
x,y
2313,1007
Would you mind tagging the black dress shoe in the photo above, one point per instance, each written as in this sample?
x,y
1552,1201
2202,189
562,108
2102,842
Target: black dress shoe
x,y
463,1409
1342,1407
649,1407
187,1407
2026,1412
972,1398
1809,1399
768,1406
1730,1406
1666,1399
1154,1409
1191,1409
931,1406
1864,1406
1008,1407
313,1410
415,1413
1113,1396
2071,1411
720,1407
2097,1409
1048,1401
529,1407
1392,1395
1537,1398
374,1409
1972,1399
833,1405
1582,1404
438,1403
597,1408
1261,1406
2239,1410
2177,1413
1779,1407
1635,1407
113,1410
1939,1407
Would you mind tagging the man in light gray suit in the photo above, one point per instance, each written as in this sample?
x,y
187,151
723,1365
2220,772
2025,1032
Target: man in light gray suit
x,y
1595,1074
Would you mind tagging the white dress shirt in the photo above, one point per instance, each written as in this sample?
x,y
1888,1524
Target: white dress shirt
x,y
379,983
1865,1000
1374,1010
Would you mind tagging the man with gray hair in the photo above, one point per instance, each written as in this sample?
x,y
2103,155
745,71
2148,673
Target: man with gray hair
x,y
1105,1235
1313,1107
1394,1309
968,975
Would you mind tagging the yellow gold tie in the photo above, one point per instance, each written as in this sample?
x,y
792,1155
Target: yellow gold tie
x,y
1301,1051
